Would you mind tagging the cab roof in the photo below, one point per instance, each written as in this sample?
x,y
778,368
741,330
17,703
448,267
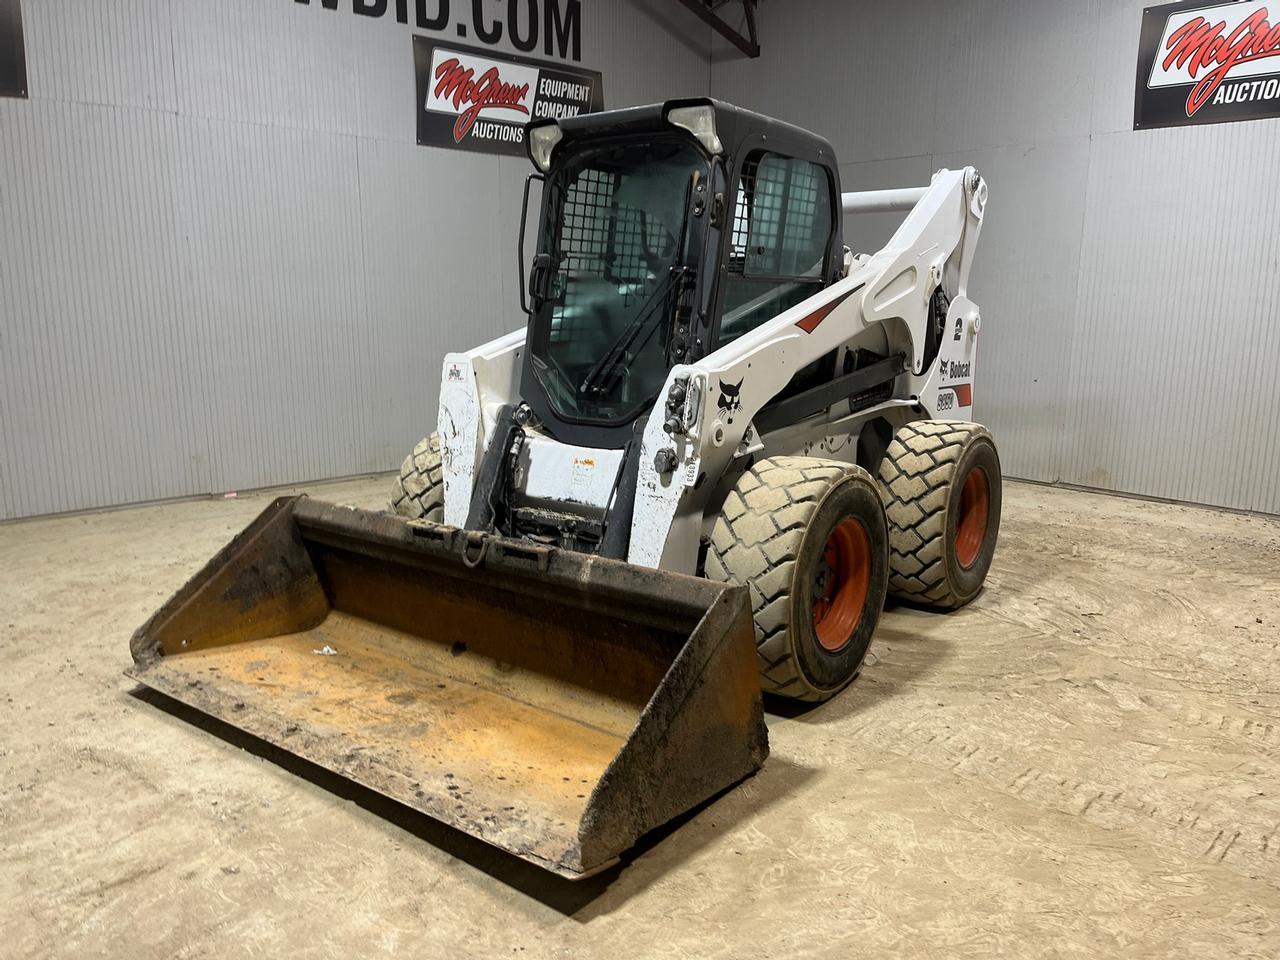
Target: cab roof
x,y
735,126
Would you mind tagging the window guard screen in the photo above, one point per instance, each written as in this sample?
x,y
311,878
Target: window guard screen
x,y
599,237
782,221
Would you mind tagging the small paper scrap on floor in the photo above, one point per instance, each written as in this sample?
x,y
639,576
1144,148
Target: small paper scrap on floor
x,y
325,651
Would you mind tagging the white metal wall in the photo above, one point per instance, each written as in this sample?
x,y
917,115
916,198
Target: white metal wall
x,y
1130,282
225,262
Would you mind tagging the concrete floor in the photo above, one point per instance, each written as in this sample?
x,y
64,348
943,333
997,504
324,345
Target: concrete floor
x,y
1085,762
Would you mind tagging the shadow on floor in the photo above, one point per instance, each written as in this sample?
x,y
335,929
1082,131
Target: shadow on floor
x,y
908,648
654,854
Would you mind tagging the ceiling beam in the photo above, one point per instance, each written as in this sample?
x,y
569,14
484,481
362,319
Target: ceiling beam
x,y
749,44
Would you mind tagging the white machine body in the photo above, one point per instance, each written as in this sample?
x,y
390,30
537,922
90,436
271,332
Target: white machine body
x,y
882,302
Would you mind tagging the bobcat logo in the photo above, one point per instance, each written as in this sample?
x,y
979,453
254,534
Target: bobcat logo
x,y
730,399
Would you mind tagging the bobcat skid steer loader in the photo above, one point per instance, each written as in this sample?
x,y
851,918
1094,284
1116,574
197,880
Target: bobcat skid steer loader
x,y
718,444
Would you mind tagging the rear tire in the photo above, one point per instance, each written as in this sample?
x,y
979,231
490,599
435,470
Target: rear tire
x,y
419,492
809,539
941,483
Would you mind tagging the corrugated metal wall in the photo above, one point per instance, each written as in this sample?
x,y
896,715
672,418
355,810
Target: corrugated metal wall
x,y
1129,281
225,262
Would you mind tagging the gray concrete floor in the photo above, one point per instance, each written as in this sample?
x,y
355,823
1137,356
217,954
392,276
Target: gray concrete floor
x,y
1085,762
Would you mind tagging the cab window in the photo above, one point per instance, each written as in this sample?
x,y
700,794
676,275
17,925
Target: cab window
x,y
782,227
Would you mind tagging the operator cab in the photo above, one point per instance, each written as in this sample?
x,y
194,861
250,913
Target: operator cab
x,y
665,232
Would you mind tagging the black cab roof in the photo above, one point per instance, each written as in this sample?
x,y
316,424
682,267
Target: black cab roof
x,y
735,126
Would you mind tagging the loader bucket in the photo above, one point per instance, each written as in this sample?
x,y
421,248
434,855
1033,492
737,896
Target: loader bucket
x,y
554,704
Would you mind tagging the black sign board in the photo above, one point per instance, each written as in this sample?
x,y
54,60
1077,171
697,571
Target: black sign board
x,y
13,57
1202,62
470,99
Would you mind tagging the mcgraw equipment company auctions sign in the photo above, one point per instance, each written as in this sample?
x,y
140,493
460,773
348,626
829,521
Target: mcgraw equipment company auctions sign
x,y
13,59
1208,63
471,99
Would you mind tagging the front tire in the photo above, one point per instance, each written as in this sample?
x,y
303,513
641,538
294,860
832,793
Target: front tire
x,y
809,539
941,483
419,491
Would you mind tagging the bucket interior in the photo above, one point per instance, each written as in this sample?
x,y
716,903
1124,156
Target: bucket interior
x,y
491,701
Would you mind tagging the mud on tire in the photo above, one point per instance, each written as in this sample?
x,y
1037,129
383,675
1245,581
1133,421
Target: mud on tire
x,y
941,483
419,491
809,540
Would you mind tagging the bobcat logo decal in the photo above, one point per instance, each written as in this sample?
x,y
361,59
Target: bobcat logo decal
x,y
730,399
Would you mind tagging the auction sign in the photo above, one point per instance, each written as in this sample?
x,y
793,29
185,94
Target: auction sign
x,y
1208,63
470,99
13,58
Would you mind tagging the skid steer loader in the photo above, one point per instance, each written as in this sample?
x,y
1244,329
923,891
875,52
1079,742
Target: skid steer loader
x,y
720,441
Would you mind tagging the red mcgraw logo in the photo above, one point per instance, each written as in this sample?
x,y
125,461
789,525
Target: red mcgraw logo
x,y
459,83
1200,45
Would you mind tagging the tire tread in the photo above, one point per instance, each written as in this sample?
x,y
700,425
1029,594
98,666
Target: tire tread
x,y
915,477
419,491
756,540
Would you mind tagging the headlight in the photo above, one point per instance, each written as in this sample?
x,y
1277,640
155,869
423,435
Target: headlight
x,y
701,122
542,140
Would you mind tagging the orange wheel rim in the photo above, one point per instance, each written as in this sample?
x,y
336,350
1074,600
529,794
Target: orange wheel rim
x,y
841,584
971,529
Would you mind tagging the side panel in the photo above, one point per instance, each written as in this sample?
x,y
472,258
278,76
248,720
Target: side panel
x,y
459,429
667,521
948,394
473,385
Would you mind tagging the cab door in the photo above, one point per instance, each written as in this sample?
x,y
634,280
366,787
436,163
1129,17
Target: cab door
x,y
780,244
